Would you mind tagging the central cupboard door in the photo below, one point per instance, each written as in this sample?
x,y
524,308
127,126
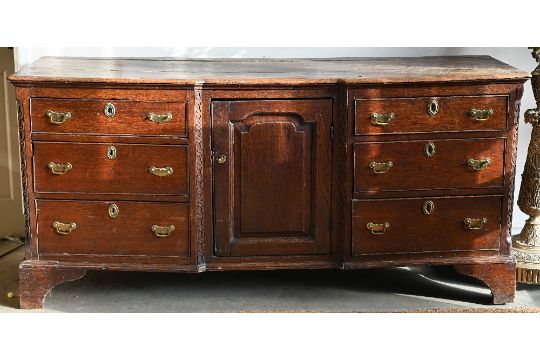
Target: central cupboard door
x,y
272,177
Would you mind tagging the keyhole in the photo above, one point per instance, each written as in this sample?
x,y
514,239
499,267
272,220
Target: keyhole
x,y
433,107
429,149
113,211
111,152
428,207
109,110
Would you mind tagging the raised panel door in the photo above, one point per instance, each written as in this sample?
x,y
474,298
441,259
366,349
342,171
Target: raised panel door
x,y
272,177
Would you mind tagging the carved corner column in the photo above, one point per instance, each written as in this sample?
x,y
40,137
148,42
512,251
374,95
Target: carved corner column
x,y
526,245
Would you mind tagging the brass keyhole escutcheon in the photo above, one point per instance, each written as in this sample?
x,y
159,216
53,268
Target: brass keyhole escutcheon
x,y
111,152
114,211
221,159
429,149
433,107
428,207
109,110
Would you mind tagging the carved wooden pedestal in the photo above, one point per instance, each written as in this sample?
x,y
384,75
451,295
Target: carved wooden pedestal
x,y
37,279
527,243
499,278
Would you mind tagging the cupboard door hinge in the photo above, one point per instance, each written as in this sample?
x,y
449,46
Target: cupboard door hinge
x,y
332,131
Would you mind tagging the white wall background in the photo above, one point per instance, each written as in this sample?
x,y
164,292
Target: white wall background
x,y
517,57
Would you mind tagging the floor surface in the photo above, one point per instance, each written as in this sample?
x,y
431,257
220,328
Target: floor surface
x,y
394,289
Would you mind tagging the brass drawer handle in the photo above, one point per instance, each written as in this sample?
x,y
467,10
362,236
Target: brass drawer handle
x,y
58,118
162,231
475,224
382,119
59,168
378,229
480,114
64,229
380,167
479,164
161,171
159,118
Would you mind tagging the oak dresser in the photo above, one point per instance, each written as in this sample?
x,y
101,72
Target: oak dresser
x,y
259,164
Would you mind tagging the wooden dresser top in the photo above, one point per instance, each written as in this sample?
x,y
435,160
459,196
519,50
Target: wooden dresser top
x,y
266,71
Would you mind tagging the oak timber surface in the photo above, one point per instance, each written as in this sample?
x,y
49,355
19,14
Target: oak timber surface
x,y
266,71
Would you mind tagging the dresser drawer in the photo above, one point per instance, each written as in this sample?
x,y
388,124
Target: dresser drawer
x,y
428,164
119,228
430,114
426,225
111,168
113,117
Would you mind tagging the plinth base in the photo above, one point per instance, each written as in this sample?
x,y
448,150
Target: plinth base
x,y
527,276
528,265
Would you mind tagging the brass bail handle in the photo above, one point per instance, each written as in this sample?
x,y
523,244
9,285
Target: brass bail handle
x,y
162,231
479,164
475,223
378,229
58,117
159,118
380,167
480,114
161,171
64,228
382,119
59,168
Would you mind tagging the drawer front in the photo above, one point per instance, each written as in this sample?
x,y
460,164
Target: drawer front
x,y
416,226
94,227
113,117
428,164
133,169
428,114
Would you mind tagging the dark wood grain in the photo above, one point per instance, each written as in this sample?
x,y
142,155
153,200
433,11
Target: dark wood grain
x,y
94,172
266,71
37,279
99,234
88,117
413,170
272,196
411,114
412,231
500,278
296,190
